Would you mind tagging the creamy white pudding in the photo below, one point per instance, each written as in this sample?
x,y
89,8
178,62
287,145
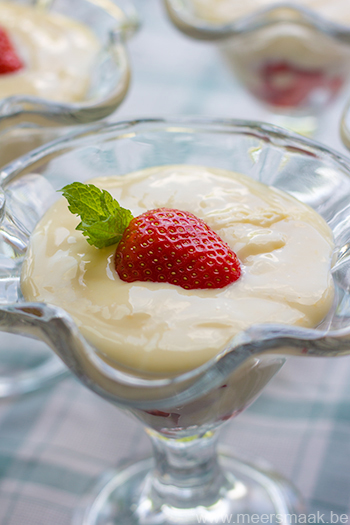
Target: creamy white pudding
x,y
284,246
224,11
58,54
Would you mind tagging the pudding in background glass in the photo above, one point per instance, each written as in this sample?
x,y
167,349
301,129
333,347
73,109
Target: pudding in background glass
x,y
226,11
293,58
58,54
75,68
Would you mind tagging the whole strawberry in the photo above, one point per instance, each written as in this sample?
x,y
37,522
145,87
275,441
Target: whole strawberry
x,y
9,60
162,245
173,246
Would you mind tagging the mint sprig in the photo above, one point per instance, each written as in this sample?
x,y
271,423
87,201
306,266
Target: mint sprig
x,y
103,220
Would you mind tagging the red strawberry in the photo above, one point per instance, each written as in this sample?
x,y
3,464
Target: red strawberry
x,y
9,60
176,247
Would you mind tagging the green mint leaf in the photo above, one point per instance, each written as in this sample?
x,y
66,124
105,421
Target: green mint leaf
x,y
103,220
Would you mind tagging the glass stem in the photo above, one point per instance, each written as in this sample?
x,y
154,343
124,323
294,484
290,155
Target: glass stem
x,y
187,472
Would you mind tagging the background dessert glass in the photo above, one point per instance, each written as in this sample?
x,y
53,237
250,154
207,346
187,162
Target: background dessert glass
x,y
182,414
27,122
293,60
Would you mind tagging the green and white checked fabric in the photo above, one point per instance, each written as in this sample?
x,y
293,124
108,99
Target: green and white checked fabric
x,y
55,442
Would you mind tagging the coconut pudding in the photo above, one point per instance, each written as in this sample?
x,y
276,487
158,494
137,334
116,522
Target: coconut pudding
x,y
284,248
288,65
56,52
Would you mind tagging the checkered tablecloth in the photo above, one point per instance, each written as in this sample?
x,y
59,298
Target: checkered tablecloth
x,y
55,442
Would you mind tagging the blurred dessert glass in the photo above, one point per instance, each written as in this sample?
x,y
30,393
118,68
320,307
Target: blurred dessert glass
x,y
187,482
75,68
294,58
97,27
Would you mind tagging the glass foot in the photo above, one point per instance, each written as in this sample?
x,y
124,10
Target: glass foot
x,y
26,365
120,497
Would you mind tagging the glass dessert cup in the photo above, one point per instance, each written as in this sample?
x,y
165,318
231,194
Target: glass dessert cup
x,y
26,122
186,481
290,59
